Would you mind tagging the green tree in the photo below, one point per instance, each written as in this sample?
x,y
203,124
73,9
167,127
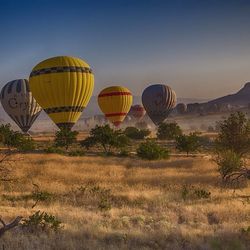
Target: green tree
x,y
11,138
150,150
168,131
107,138
188,143
234,134
135,133
228,162
65,138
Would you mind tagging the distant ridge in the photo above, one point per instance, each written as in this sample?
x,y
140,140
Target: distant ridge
x,y
242,98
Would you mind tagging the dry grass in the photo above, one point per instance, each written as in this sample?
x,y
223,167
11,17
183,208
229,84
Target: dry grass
x,y
148,209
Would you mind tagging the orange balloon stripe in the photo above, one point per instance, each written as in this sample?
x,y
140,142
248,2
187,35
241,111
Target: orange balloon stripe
x,y
114,94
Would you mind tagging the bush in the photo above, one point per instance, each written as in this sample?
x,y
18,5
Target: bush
x,y
188,143
26,144
77,153
150,150
65,138
228,162
202,193
107,138
53,150
15,139
43,221
136,134
190,192
234,134
168,131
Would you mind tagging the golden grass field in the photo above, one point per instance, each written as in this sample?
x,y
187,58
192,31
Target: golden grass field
x,y
147,209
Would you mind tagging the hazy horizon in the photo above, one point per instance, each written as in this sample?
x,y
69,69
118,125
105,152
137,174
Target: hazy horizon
x,y
199,48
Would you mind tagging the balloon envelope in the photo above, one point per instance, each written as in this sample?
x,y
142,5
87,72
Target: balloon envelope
x,y
137,111
115,103
181,108
63,86
158,101
19,104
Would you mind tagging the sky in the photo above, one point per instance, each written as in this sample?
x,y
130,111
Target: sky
x,y
199,48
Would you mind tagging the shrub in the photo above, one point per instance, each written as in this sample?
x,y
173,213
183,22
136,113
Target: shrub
x,y
228,162
234,134
150,150
136,134
53,150
202,193
65,138
168,131
188,191
15,139
43,221
188,143
77,153
107,138
26,144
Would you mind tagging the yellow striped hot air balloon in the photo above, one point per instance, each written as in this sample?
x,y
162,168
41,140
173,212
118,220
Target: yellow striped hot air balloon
x,y
115,103
62,86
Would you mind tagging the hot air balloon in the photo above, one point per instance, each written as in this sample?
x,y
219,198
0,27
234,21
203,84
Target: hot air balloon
x,y
158,101
115,103
62,86
137,111
181,108
19,103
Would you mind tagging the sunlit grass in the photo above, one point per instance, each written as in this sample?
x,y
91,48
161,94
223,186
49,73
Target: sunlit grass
x,y
147,208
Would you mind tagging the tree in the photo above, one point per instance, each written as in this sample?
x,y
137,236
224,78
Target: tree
x,y
187,143
107,138
150,150
234,134
135,133
232,145
65,138
231,166
15,139
168,131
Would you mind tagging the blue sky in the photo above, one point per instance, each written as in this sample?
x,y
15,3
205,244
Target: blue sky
x,y
200,48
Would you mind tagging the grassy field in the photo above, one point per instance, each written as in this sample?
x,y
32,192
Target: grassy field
x,y
125,203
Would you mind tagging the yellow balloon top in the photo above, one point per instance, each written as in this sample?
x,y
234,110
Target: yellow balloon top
x,y
115,103
62,86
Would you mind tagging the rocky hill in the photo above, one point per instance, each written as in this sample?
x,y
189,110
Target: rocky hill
x,y
231,102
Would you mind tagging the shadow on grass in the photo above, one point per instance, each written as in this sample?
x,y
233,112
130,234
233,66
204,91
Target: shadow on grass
x,y
122,240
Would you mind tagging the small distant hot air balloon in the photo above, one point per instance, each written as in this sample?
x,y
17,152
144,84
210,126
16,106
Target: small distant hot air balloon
x,y
115,103
63,86
181,108
19,104
158,101
137,111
